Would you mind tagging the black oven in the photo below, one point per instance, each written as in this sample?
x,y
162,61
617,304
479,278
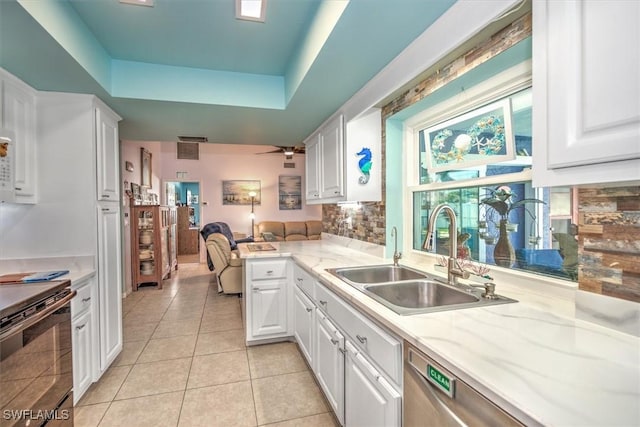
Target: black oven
x,y
36,377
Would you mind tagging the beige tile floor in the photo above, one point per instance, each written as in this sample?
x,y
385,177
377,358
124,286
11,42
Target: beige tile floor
x,y
184,363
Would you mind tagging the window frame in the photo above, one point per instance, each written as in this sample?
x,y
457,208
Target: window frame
x,y
501,85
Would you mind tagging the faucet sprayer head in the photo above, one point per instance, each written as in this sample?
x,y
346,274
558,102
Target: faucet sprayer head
x,y
428,241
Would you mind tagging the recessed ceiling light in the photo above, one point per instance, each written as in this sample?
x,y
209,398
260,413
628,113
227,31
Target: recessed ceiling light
x,y
251,10
138,2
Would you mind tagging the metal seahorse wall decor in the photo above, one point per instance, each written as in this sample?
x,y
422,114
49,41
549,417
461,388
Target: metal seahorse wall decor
x,y
364,164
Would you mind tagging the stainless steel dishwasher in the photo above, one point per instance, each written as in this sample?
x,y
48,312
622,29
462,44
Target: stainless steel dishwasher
x,y
435,397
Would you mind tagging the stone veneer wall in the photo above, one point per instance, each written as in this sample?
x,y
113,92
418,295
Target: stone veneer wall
x,y
369,223
609,241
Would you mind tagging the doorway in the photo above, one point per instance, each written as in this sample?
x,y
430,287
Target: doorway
x,y
185,195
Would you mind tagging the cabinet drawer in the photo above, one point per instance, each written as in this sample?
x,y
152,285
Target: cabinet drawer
x,y
303,280
379,345
271,269
82,301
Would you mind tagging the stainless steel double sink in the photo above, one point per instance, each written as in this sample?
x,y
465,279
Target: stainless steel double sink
x,y
408,291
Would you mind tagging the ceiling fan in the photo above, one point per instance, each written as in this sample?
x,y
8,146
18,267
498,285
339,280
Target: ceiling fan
x,y
287,151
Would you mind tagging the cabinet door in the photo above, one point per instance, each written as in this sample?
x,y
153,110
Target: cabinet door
x,y
312,164
369,398
331,154
304,314
586,61
109,283
269,308
107,156
330,363
19,117
82,352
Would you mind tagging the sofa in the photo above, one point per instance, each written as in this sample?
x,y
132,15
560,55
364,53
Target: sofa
x,y
287,231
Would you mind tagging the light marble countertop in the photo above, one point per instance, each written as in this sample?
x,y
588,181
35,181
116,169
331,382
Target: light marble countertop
x,y
542,367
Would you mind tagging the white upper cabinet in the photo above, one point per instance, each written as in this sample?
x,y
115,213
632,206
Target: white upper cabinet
x,y
343,162
586,83
312,167
331,152
19,116
108,156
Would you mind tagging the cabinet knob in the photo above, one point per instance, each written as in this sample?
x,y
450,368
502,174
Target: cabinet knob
x,y
363,340
316,195
309,310
336,192
81,326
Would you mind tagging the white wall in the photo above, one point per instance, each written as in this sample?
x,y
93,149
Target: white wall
x,y
220,162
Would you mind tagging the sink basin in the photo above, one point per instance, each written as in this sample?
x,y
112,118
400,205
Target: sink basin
x,y
421,294
408,291
377,274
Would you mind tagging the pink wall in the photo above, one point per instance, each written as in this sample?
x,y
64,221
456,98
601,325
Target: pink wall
x,y
220,162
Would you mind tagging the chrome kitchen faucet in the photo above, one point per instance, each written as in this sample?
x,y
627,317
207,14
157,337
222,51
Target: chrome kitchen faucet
x,y
453,271
396,255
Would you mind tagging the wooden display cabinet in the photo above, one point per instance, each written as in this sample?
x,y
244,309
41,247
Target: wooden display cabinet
x,y
153,244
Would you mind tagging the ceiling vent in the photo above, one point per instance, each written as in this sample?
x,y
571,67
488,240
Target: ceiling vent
x,y
193,139
188,150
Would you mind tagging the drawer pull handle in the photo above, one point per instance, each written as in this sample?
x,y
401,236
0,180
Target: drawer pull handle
x,y
86,299
299,279
105,209
363,340
269,271
342,350
309,310
81,326
336,192
323,302
106,196
256,289
334,342
18,189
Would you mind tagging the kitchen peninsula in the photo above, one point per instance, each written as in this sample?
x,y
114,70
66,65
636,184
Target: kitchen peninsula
x,y
539,364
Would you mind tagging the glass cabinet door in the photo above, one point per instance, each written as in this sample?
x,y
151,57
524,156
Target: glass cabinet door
x,y
146,242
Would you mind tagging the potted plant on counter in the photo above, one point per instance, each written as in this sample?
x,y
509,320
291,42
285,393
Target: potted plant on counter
x,y
501,203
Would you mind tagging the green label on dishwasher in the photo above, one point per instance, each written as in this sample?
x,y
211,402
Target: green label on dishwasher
x,y
441,379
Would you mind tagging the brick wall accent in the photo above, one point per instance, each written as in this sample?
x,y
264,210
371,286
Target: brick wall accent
x,y
369,221
609,241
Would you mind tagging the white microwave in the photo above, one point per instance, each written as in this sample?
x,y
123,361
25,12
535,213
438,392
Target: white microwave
x,y
7,166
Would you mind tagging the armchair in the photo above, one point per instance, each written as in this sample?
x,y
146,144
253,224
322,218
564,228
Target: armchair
x,y
223,228
227,265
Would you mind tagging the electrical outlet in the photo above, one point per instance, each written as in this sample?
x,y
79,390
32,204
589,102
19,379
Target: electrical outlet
x,y
349,222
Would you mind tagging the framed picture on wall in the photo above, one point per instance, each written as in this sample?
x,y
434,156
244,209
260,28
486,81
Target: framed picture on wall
x,y
290,192
236,192
145,170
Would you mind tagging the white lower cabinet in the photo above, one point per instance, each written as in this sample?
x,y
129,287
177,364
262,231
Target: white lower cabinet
x,y
329,367
304,319
370,398
269,308
82,354
84,337
268,299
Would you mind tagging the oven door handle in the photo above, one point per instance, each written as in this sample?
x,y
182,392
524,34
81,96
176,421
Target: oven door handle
x,y
30,321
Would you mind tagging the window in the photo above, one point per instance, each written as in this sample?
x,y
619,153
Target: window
x,y
475,155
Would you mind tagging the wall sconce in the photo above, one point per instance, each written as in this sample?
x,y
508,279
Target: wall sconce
x,y
252,215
